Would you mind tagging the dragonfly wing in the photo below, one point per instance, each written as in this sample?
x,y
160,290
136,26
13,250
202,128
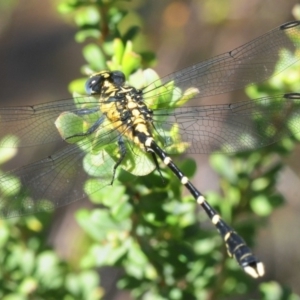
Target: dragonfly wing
x,y
34,125
248,64
54,181
230,128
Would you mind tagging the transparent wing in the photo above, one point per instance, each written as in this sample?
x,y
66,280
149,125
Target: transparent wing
x,y
251,63
34,125
61,178
78,170
52,182
229,128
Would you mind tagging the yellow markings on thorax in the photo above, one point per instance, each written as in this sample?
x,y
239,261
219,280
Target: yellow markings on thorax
x,y
134,123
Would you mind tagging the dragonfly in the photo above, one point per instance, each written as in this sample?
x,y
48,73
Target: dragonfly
x,y
118,126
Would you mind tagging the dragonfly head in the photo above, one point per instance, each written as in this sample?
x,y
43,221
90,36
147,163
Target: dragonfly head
x,y
95,83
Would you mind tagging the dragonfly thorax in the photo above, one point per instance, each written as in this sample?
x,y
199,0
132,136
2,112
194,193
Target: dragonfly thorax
x,y
122,105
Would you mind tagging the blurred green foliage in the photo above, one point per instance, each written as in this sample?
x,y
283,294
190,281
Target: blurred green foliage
x,y
144,225
31,270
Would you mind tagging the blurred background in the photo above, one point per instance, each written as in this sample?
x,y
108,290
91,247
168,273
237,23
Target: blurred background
x,y
39,58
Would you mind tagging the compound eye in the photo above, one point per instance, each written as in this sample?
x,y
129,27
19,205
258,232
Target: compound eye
x,y
118,78
93,85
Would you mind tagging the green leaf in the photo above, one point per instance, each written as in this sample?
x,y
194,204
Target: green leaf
x,y
10,186
224,166
8,150
87,15
84,34
99,222
273,291
260,183
28,286
94,56
261,205
69,126
84,285
110,196
122,211
77,86
131,60
118,47
188,167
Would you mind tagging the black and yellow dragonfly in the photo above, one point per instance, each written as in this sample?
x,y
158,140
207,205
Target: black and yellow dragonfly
x,y
120,126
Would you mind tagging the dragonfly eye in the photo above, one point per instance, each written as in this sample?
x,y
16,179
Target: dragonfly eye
x,y
117,78
93,85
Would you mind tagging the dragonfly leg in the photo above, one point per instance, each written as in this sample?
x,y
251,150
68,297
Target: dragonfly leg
x,y
92,129
123,151
154,158
86,111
